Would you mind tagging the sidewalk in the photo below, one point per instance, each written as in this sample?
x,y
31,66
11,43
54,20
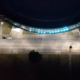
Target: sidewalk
x,y
16,34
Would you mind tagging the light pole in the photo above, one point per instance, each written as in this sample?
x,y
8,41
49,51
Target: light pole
x,y
2,23
70,47
70,60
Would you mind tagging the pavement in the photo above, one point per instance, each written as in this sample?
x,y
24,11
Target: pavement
x,y
43,45
15,34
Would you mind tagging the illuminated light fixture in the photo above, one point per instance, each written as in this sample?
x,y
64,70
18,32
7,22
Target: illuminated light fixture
x,y
16,24
52,31
49,32
30,30
2,23
63,29
58,31
67,29
38,32
55,31
41,32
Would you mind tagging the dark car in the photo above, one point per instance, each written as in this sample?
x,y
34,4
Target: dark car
x,y
3,37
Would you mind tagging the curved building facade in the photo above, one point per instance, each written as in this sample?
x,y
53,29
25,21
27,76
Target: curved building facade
x,y
43,16
41,30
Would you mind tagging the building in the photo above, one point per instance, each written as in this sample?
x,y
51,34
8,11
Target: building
x,y
44,17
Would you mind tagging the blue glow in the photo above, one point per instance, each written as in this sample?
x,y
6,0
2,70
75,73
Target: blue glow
x,y
67,29
55,31
30,30
51,31
38,31
41,32
63,29
58,31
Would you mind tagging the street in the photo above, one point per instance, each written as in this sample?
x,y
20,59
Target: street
x,y
53,45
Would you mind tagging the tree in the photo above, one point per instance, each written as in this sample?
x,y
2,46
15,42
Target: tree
x,y
35,56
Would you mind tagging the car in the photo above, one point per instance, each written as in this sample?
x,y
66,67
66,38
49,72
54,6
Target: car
x,y
9,37
3,37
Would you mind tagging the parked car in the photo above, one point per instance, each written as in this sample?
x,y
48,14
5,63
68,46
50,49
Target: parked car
x,y
9,37
3,37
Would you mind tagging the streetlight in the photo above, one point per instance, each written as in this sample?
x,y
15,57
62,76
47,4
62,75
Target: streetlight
x,y
2,23
70,47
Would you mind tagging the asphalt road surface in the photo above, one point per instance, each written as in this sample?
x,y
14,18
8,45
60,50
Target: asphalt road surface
x,y
53,44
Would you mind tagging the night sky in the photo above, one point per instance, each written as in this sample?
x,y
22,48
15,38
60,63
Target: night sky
x,y
43,13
